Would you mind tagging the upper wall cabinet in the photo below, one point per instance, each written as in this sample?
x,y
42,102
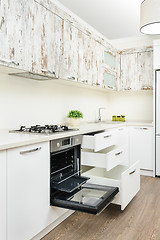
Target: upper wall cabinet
x,y
136,71
90,59
129,70
13,39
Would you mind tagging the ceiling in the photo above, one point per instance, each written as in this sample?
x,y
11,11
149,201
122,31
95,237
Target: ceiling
x,y
113,18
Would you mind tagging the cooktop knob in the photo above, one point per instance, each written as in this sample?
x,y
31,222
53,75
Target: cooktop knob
x,y
58,144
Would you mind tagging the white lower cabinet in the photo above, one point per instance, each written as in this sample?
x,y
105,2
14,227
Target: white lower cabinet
x,y
127,179
141,146
28,192
105,165
3,195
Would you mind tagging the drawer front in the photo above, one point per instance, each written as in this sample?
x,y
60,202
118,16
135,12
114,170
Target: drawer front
x,y
104,140
127,179
105,160
99,141
130,184
116,157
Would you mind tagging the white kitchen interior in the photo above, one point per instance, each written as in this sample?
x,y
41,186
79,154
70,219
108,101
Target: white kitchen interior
x,y
58,56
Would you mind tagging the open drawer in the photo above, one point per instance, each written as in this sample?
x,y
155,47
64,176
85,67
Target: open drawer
x,y
99,141
127,179
107,158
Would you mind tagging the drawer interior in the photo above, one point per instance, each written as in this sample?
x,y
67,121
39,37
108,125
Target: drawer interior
x,y
114,173
104,151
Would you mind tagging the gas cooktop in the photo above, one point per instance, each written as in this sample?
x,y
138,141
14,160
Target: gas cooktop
x,y
46,129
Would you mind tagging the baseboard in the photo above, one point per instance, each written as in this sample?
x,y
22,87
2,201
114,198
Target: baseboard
x,y
146,172
52,225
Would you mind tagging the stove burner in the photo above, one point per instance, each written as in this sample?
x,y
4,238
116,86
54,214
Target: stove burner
x,y
46,129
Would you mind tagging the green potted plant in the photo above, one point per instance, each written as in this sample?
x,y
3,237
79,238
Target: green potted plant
x,y
75,116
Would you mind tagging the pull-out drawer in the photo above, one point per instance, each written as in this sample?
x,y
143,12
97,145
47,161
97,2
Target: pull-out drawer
x,y
99,141
107,158
127,179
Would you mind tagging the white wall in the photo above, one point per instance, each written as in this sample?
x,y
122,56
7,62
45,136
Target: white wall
x,y
29,102
136,106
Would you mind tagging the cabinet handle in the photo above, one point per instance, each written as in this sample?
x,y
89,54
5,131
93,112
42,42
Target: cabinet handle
x,y
142,128
31,150
47,71
120,129
107,136
132,172
9,61
96,84
116,154
73,78
85,81
109,87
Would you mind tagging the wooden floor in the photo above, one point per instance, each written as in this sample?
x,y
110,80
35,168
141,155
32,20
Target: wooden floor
x,y
139,221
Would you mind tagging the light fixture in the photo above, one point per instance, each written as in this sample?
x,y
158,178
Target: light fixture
x,y
150,17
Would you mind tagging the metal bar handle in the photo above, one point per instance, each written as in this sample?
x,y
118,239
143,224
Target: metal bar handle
x,y
47,71
9,61
31,150
107,136
132,172
110,87
142,128
116,154
72,78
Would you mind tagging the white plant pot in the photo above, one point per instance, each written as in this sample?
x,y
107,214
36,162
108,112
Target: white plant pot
x,y
74,122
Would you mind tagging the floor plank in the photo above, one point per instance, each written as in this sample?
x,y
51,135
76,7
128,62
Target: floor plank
x,y
139,221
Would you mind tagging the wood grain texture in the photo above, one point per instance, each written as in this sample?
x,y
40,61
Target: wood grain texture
x,y
139,221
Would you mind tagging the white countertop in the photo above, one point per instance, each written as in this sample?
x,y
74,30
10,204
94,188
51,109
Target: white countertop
x,y
11,140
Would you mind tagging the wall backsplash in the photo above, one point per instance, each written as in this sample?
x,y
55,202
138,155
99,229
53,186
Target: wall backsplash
x,y
28,102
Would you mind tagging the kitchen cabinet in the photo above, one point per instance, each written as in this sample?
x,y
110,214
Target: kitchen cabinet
x,y
141,146
90,59
127,179
3,198
28,191
14,33
136,71
109,80
106,155
145,70
129,70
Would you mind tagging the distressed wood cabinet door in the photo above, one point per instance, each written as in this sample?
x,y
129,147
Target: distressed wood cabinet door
x,y
68,51
44,43
90,60
15,17
145,70
129,72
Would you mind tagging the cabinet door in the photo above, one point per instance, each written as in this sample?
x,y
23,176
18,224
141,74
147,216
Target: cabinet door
x,y
110,59
145,70
44,42
28,195
68,52
140,145
3,195
109,80
129,72
14,32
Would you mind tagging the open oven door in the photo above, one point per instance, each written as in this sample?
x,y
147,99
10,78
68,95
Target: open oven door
x,y
87,198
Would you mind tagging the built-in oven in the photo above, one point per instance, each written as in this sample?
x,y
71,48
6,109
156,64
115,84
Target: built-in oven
x,y
68,189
